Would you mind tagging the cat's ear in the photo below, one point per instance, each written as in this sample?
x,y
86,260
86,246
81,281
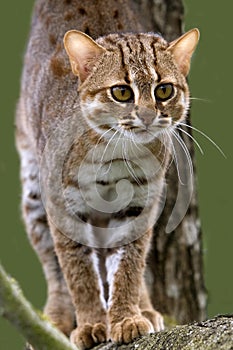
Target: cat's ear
x,y
183,48
82,51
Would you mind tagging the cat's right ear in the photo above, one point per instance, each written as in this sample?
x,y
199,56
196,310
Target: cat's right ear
x,y
82,51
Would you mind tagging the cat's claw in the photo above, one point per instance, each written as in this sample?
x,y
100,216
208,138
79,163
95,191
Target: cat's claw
x,y
87,336
155,318
130,328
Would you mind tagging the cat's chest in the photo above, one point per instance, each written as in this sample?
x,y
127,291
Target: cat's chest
x,y
112,177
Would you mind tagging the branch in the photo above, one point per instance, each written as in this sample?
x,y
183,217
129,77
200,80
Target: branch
x,y
213,334
30,323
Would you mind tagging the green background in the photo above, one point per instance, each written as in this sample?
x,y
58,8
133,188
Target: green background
x,y
210,80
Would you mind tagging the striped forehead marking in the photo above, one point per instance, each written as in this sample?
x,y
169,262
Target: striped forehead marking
x,y
138,57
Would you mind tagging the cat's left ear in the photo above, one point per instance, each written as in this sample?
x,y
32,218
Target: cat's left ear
x,y
183,48
83,52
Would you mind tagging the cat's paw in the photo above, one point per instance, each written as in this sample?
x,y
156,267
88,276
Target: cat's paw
x,y
155,318
130,328
87,336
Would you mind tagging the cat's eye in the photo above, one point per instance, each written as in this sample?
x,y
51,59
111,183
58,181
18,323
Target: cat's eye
x,y
164,91
122,93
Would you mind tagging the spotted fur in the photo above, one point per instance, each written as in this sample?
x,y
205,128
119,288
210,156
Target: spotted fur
x,y
72,131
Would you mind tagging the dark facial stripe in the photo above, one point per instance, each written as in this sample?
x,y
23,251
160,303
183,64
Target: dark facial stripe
x,y
154,52
124,67
142,48
122,55
129,47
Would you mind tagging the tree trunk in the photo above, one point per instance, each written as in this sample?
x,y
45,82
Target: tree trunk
x,y
175,266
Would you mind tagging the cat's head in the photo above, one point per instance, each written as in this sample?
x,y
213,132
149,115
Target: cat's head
x,y
132,84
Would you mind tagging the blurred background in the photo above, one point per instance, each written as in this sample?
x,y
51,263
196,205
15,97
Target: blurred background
x,y
211,83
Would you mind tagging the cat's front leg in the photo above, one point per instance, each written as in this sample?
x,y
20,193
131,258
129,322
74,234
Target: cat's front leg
x,y
125,268
80,267
148,311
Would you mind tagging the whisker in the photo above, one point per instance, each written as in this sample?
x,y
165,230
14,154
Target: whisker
x,y
134,146
206,136
200,99
134,142
185,149
163,142
192,138
113,152
175,155
108,143
100,138
103,135
105,150
128,165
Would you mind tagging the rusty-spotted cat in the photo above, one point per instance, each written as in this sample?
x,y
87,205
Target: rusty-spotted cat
x,y
123,91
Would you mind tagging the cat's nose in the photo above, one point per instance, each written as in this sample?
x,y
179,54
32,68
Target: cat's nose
x,y
146,115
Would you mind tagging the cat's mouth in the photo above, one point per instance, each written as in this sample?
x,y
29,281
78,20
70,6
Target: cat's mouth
x,y
160,123
146,133
135,130
138,134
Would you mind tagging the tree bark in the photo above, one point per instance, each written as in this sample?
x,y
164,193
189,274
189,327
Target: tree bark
x,y
175,265
214,334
